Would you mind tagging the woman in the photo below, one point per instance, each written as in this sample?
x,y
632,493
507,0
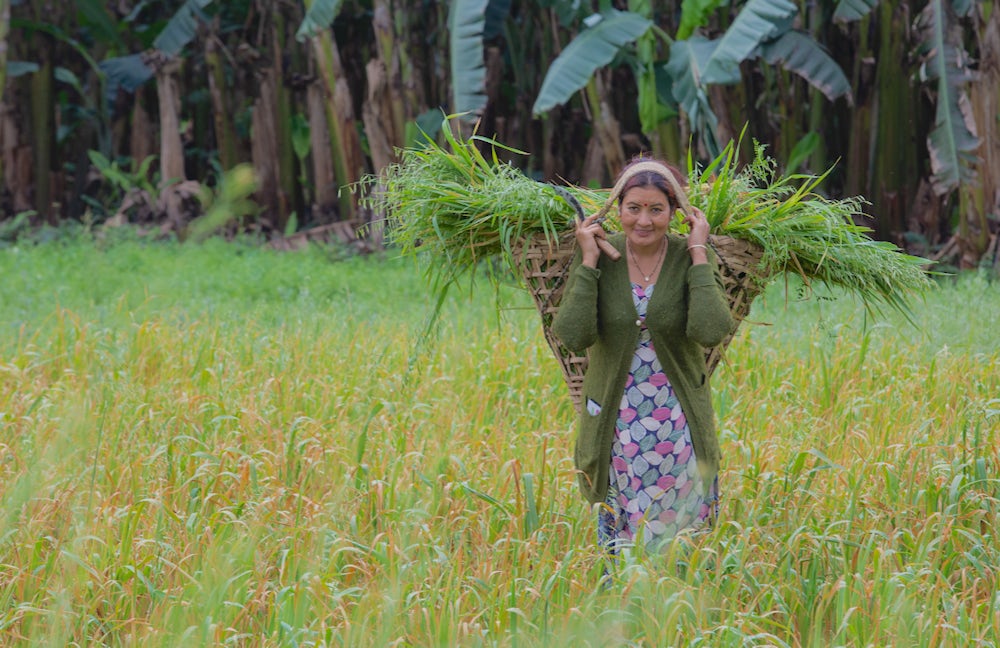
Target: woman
x,y
647,449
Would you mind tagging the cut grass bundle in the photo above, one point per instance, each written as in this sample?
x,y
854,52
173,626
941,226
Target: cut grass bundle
x,y
461,208
802,232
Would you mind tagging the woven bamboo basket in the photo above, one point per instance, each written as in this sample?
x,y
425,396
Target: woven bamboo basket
x,y
545,267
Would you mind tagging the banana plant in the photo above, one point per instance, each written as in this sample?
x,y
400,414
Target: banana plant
x,y
345,146
945,65
945,69
466,24
181,28
133,70
4,30
596,46
850,10
957,154
762,29
320,14
469,23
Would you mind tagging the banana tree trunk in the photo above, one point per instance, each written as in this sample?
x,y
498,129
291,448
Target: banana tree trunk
x,y
494,77
171,146
15,151
15,148
858,162
548,134
141,136
222,114
667,144
727,101
4,31
282,124
607,130
42,126
593,163
324,179
412,90
897,118
264,147
439,77
377,115
788,115
348,160
390,51
981,200
818,109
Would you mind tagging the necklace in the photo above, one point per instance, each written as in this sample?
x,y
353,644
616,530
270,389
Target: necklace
x,y
659,260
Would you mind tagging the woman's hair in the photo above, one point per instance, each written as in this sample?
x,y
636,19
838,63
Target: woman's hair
x,y
646,178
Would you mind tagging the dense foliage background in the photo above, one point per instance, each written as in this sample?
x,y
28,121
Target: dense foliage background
x,y
134,110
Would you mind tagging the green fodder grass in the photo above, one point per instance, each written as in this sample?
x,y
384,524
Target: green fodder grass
x,y
217,444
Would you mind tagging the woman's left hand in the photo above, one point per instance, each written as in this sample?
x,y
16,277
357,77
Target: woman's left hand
x,y
697,236
698,224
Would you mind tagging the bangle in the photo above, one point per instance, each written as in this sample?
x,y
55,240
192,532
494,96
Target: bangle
x,y
697,245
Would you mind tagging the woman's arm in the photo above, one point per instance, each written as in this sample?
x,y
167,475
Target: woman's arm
x,y
575,323
709,320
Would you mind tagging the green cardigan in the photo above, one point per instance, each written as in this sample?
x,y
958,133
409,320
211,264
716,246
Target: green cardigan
x,y
687,313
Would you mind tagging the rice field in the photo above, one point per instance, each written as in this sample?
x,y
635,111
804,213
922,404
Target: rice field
x,y
220,445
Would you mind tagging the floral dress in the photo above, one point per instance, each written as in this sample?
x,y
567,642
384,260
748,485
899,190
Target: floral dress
x,y
655,488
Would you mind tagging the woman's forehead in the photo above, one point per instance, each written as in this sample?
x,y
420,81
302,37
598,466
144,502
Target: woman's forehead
x,y
645,194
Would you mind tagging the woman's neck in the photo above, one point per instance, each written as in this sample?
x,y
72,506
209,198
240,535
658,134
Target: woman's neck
x,y
646,266
650,252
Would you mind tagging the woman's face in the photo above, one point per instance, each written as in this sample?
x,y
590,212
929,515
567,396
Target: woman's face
x,y
645,214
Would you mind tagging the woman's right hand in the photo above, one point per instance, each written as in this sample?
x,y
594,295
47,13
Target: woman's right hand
x,y
588,232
